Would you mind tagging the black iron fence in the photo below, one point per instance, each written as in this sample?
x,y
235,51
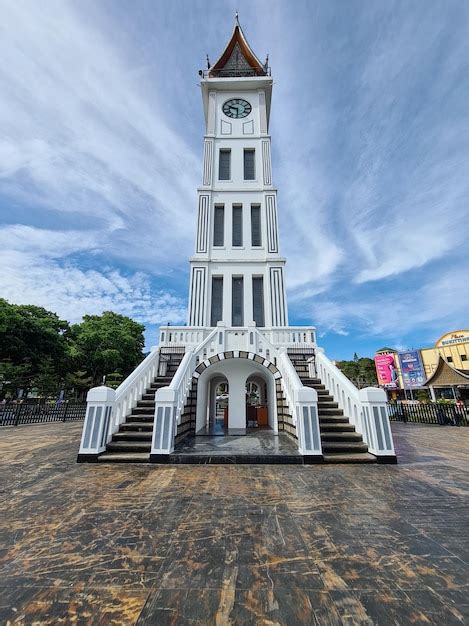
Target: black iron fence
x,y
15,413
429,413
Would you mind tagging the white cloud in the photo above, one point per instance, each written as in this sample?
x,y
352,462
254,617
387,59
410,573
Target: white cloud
x,y
81,134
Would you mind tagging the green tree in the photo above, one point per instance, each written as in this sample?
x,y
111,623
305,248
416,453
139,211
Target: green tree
x,y
107,344
33,347
361,371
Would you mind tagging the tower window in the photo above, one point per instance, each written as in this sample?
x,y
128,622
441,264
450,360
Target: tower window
x,y
237,232
217,300
237,301
463,357
219,226
249,167
224,165
258,300
449,359
256,239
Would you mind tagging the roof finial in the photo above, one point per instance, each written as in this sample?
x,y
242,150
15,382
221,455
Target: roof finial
x,y
237,17
208,62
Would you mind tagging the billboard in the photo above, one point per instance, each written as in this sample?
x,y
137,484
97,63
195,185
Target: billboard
x,y
412,371
386,370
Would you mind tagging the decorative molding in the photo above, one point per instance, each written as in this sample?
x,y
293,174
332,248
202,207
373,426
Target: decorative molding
x,y
226,128
272,228
197,302
248,128
212,101
262,112
202,224
266,162
208,161
277,295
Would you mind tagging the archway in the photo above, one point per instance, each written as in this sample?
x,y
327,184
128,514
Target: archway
x,y
239,374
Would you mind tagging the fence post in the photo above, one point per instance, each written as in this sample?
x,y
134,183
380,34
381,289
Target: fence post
x,y
66,409
164,425
377,426
96,427
307,417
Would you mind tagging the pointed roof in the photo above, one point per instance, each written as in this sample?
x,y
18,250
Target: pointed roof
x,y
238,58
444,374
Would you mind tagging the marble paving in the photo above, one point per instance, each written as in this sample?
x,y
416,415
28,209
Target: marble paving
x,y
271,545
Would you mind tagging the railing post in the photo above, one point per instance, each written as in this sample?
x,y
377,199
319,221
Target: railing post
x,y
377,429
100,403
307,422
164,425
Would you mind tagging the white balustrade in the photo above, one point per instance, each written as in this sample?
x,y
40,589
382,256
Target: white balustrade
x,y
170,401
365,408
303,402
107,409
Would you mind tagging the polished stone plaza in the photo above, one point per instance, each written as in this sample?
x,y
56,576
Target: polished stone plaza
x,y
233,544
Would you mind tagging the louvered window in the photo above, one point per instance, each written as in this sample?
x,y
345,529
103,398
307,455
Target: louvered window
x,y
224,165
249,168
237,302
217,300
258,300
256,239
219,226
237,232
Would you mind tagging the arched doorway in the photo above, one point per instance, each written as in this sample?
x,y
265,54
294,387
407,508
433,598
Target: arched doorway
x,y
241,376
257,405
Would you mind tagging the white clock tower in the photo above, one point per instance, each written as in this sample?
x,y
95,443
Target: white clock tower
x,y
237,273
238,367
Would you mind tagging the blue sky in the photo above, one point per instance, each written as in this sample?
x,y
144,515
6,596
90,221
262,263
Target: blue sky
x,y
101,144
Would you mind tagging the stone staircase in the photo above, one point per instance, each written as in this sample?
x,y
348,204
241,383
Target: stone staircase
x,y
132,442
340,442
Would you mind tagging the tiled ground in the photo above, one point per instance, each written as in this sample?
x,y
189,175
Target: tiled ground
x,y
201,544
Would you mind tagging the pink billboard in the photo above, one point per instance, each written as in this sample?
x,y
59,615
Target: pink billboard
x,y
386,370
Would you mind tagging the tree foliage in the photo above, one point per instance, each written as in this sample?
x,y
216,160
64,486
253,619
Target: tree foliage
x,y
361,371
41,352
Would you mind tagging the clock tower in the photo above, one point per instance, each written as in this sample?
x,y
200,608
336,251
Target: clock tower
x,y
237,367
237,273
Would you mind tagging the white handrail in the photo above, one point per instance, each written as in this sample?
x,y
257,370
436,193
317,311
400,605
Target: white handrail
x,y
341,388
133,387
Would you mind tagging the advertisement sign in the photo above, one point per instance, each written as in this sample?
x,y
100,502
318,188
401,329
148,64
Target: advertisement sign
x,y
386,370
412,371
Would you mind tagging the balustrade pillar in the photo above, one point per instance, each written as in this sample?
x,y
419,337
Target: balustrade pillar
x,y
164,425
377,429
307,424
96,429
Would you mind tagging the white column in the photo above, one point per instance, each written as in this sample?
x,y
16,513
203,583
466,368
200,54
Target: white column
x,y
96,428
377,429
307,425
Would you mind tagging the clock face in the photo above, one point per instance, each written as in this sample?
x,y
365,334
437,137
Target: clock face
x,y
237,108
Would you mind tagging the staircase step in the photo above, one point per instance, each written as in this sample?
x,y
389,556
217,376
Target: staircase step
x,y
143,403
130,435
349,458
143,419
336,427
137,426
324,411
129,446
333,419
149,396
341,436
343,446
143,410
124,457
327,404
